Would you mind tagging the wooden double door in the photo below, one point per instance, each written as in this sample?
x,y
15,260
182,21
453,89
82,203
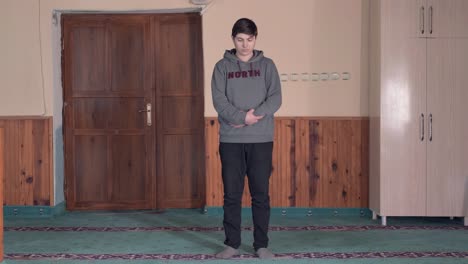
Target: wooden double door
x,y
133,111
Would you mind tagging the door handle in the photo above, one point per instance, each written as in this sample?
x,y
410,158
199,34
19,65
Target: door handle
x,y
148,113
421,19
421,128
430,20
430,127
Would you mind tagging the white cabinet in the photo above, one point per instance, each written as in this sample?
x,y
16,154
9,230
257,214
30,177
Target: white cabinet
x,y
418,100
439,18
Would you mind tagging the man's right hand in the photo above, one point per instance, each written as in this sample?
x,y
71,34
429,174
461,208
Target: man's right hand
x,y
251,119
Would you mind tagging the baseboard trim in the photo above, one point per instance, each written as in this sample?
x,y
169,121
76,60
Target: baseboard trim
x,y
299,211
12,211
50,211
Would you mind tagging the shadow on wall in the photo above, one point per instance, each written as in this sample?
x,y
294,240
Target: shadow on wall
x,y
59,167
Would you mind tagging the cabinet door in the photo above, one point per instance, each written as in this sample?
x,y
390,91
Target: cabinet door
x,y
447,18
440,109
418,17
403,84
440,18
460,16
459,191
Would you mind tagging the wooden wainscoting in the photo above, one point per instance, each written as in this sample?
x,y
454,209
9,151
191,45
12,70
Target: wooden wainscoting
x,y
317,162
28,160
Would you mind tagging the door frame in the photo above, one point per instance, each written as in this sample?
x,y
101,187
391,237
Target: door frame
x,y
60,90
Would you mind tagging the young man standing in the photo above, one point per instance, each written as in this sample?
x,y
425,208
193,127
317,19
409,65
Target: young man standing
x,y
246,93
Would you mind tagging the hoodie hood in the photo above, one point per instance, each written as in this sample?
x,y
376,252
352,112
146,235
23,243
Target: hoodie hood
x,y
231,56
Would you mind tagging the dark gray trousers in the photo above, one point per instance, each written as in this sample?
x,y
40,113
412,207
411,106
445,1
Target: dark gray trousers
x,y
255,161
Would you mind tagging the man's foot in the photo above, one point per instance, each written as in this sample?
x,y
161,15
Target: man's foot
x,y
227,253
265,253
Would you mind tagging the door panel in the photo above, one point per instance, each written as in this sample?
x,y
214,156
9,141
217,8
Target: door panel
x,y
416,15
91,168
88,71
459,191
180,102
440,82
180,63
91,113
126,114
108,113
440,17
109,162
127,162
403,147
449,18
460,8
186,118
127,48
180,185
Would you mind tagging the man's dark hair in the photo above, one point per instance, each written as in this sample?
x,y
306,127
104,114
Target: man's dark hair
x,y
246,26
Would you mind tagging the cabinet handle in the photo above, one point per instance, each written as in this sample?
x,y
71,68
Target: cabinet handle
x,y
430,127
421,19
430,20
421,128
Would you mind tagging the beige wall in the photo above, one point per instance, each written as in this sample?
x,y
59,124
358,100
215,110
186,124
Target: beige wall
x,y
311,36
299,35
21,90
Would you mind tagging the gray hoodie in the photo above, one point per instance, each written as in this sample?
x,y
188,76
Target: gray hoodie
x,y
238,86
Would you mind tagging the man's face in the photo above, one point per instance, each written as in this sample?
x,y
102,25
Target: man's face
x,y
244,44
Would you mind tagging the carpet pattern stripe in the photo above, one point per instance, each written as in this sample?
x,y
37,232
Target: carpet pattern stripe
x,y
305,255
215,229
